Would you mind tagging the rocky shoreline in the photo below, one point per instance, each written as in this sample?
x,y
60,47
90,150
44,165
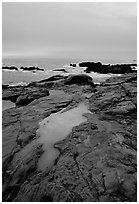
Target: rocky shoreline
x,y
96,161
107,68
33,69
90,67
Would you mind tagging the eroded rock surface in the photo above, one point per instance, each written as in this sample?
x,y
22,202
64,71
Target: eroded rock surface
x,y
23,95
97,160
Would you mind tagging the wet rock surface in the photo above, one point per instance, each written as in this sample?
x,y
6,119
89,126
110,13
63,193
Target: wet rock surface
x,y
97,160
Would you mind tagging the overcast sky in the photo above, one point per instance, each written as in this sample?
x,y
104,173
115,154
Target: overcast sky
x,y
70,30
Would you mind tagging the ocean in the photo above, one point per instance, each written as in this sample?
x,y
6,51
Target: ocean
x,y
15,77
48,64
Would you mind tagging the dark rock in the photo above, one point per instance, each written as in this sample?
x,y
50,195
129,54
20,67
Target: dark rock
x,y
73,65
129,187
11,94
97,160
22,95
26,98
19,128
10,68
5,86
104,69
49,82
53,78
80,79
31,69
88,64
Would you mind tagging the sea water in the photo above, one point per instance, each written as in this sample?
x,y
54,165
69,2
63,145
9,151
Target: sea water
x,y
48,64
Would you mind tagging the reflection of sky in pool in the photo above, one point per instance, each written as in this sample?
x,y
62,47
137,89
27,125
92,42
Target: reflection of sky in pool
x,y
55,128
7,105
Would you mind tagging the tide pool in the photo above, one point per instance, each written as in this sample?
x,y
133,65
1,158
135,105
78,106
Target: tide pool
x,y
55,128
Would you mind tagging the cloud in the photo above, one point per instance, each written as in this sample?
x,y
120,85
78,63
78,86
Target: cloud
x,y
70,29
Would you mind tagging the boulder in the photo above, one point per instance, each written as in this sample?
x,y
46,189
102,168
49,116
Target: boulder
x,y
80,79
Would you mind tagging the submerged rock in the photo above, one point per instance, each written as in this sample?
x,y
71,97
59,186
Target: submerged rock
x,y
96,161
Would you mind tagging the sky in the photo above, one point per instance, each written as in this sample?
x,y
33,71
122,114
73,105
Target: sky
x,y
70,30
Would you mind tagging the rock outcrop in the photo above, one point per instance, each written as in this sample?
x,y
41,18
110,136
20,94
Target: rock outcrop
x,y
73,65
22,68
79,79
22,95
9,68
31,69
105,69
97,160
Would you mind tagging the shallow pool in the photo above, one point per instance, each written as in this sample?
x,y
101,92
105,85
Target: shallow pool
x,y
55,128
7,104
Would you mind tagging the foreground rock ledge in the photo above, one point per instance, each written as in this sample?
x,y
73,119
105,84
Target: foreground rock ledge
x,y
97,160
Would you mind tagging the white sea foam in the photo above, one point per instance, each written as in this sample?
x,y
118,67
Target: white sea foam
x,y
22,83
48,64
9,70
134,67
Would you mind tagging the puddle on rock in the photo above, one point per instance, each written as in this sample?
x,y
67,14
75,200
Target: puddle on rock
x,y
7,104
55,128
